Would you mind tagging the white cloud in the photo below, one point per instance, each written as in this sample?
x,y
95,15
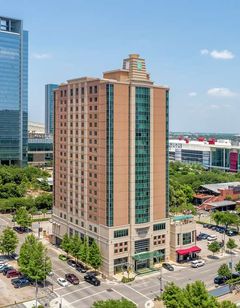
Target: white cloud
x,y
41,56
223,54
192,94
218,54
204,52
221,92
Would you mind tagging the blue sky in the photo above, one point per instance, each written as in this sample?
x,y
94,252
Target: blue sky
x,y
191,46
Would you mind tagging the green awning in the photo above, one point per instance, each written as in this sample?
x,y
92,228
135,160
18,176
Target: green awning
x,y
147,255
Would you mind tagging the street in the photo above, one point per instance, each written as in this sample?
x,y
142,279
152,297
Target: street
x,y
140,291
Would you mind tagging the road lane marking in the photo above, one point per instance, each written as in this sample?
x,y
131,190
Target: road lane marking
x,y
137,292
80,299
124,296
76,291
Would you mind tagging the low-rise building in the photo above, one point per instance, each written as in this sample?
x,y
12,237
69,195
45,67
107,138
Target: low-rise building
x,y
212,154
183,238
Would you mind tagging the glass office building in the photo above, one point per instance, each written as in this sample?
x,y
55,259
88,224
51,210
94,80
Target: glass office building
x,y
49,108
13,92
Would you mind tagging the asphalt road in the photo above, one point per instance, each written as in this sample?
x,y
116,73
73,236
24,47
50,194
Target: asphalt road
x,y
140,291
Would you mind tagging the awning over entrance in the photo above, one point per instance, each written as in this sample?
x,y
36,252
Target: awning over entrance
x,y
147,255
183,252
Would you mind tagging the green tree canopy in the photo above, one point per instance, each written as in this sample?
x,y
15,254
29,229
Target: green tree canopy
x,y
237,267
85,250
194,295
112,303
214,247
23,218
33,259
8,241
66,243
95,258
224,270
231,244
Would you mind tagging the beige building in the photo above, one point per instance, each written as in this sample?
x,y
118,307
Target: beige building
x,y
183,238
111,175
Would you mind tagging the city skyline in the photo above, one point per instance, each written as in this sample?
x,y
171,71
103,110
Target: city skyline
x,y
196,57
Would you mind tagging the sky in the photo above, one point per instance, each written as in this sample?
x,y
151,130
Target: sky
x,y
191,46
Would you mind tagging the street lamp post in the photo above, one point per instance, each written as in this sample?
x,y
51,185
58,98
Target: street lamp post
x,y
161,281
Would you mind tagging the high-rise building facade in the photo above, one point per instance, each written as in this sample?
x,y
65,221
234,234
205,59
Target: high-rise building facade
x,y
111,165
13,92
49,108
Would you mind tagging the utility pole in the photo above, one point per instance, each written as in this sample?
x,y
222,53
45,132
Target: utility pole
x,y
36,294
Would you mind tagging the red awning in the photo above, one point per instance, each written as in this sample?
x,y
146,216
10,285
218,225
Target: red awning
x,y
188,250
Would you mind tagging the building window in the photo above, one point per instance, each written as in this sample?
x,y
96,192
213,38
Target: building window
x,y
178,239
160,226
120,233
187,238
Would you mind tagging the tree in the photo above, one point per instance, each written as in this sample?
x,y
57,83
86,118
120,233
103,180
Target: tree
x,y
23,218
95,257
173,297
75,246
237,267
231,244
197,295
85,250
8,241
113,303
66,243
33,259
217,217
193,295
214,247
227,304
224,270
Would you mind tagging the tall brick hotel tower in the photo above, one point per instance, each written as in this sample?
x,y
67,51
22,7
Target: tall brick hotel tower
x,y
111,176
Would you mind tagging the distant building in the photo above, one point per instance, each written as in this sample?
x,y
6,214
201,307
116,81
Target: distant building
x,y
40,146
35,128
49,108
212,154
220,196
13,92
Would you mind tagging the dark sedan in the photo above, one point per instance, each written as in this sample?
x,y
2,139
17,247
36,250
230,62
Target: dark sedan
x,y
72,263
80,268
72,279
168,266
92,279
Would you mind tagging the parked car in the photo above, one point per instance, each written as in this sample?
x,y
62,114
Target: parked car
x,y
72,279
62,257
197,263
71,263
219,280
168,266
22,282
13,256
3,264
231,232
6,269
63,282
93,273
81,268
205,225
13,273
202,236
92,279
212,238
